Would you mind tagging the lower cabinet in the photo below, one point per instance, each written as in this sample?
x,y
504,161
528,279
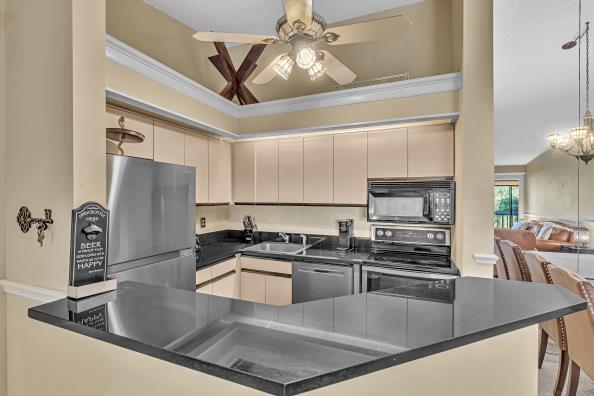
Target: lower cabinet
x,y
219,280
253,287
227,286
266,281
279,290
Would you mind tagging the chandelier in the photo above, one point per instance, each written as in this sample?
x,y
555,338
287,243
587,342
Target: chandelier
x,y
579,143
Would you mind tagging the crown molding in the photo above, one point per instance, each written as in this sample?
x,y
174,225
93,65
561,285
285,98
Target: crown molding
x,y
130,58
31,292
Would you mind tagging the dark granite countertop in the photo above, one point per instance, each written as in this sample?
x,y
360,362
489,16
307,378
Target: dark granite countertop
x,y
292,349
219,249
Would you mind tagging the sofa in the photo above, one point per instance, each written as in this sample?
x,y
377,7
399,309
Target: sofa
x,y
528,235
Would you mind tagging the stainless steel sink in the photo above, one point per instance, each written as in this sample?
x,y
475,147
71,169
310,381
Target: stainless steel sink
x,y
278,247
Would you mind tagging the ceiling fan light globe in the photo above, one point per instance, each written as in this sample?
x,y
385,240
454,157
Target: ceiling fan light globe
x,y
316,71
305,57
284,66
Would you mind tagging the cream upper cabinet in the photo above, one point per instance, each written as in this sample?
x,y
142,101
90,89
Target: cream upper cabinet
x,y
387,153
196,155
318,174
219,171
134,122
266,171
350,168
431,151
290,170
169,143
244,172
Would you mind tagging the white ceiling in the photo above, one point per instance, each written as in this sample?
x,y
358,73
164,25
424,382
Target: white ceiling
x,y
260,16
535,81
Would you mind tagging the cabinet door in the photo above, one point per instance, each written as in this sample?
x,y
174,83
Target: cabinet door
x,y
350,168
134,122
279,290
203,275
318,178
253,287
206,289
169,143
227,286
387,153
219,171
290,170
244,172
431,151
267,171
196,155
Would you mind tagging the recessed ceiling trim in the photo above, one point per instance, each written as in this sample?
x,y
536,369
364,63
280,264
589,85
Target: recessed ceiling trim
x,y
133,103
132,59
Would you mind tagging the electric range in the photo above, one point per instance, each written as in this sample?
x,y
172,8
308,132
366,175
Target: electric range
x,y
411,261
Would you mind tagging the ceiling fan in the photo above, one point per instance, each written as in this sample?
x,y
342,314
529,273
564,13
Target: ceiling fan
x,y
309,39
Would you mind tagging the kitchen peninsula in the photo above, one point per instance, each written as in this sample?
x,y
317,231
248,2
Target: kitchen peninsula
x,y
297,348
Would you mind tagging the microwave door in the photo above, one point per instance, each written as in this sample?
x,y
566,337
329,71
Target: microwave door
x,y
401,206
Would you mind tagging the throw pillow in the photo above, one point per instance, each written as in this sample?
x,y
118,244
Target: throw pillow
x,y
545,232
520,225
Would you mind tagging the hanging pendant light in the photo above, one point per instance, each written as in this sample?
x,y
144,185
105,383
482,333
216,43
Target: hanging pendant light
x,y
579,143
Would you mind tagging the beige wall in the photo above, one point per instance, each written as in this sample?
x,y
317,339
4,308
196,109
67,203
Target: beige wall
x,y
298,219
2,210
474,162
137,86
54,155
217,218
414,106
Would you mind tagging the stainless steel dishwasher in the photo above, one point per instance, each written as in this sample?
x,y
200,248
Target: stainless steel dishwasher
x,y
314,281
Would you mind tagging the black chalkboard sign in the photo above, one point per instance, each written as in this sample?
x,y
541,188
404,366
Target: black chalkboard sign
x,y
88,244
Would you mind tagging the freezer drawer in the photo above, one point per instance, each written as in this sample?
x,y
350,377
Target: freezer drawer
x,y
313,281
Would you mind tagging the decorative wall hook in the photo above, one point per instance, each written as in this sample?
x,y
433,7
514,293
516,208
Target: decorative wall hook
x,y
25,221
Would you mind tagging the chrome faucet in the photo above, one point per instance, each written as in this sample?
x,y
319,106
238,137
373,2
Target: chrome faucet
x,y
303,239
284,236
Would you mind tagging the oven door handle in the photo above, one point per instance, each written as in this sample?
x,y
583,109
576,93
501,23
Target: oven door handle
x,y
408,274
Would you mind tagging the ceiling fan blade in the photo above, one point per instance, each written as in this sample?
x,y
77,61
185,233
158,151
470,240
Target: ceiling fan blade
x,y
298,10
337,71
235,38
376,29
268,73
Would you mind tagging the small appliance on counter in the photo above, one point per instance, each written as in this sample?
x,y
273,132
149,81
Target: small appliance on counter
x,y
410,258
250,230
346,239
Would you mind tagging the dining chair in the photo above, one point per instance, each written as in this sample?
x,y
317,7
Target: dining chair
x,y
513,258
580,326
500,266
554,329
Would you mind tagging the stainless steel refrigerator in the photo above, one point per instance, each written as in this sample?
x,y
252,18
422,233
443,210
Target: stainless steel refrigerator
x,y
152,222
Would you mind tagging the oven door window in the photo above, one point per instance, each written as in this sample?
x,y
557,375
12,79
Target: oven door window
x,y
410,286
401,206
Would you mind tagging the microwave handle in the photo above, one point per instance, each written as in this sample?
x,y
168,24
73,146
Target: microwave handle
x,y
427,212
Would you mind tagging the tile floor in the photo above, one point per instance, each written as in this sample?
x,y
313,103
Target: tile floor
x,y
548,374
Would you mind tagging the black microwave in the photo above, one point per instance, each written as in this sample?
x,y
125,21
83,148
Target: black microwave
x,y
415,201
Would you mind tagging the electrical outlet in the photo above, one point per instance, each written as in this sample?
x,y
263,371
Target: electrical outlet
x,y
202,222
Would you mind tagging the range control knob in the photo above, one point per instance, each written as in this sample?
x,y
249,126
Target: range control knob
x,y
439,236
388,233
429,235
379,233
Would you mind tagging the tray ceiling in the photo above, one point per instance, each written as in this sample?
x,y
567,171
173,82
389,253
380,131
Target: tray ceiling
x,y
259,16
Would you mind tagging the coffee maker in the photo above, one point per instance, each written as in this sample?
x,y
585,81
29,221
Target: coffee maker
x,y
346,240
